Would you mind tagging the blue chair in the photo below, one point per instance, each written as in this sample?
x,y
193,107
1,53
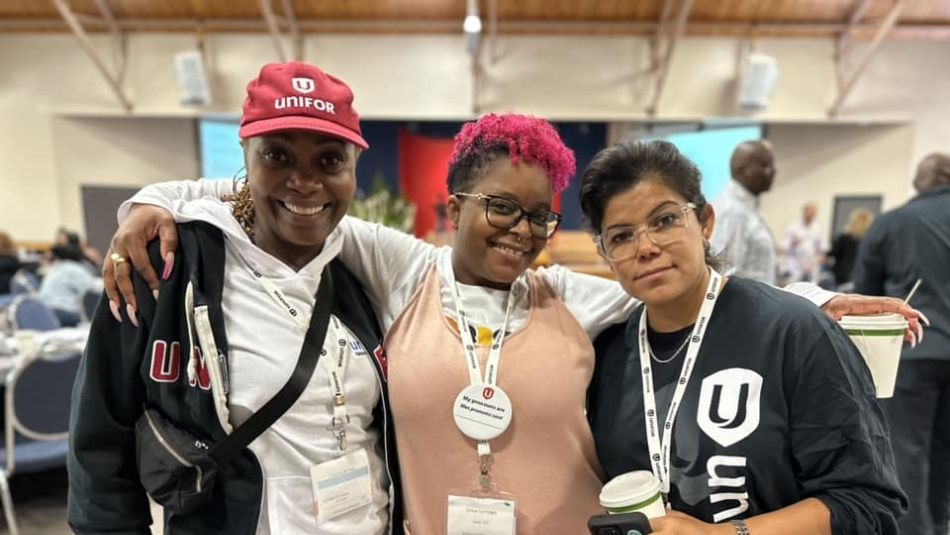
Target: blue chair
x,y
28,312
36,428
24,282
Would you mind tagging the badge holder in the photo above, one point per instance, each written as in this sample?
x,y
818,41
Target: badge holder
x,y
341,485
481,509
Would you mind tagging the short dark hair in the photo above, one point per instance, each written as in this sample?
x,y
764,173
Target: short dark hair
x,y
67,252
618,168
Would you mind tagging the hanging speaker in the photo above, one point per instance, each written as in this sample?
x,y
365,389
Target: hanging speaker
x,y
758,82
192,79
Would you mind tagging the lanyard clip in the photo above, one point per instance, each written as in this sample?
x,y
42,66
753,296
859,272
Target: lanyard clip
x,y
484,467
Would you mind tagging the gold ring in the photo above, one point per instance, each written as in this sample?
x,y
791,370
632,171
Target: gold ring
x,y
117,258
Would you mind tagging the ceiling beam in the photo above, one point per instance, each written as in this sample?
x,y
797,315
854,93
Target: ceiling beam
x,y
267,10
119,50
679,26
883,29
86,44
657,40
857,13
722,28
295,39
493,30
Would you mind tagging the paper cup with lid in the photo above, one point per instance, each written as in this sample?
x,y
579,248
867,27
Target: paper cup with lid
x,y
633,492
879,338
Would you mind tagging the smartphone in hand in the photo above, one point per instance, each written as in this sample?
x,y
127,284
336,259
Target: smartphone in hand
x,y
621,524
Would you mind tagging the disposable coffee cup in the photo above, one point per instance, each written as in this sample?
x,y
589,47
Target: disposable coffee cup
x,y
879,338
633,492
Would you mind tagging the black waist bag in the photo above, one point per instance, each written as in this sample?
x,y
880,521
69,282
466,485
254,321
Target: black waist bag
x,y
178,470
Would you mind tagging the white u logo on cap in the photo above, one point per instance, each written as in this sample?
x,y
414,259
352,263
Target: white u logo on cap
x,y
302,85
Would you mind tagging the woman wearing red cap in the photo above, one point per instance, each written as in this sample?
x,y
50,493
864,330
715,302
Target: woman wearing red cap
x,y
474,336
171,407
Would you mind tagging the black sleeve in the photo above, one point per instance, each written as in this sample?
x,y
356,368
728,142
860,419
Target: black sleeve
x,y
840,441
105,495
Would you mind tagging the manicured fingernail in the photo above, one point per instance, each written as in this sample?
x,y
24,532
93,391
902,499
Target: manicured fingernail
x,y
169,264
926,321
920,332
114,307
155,294
131,312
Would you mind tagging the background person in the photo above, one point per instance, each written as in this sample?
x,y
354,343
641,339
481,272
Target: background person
x,y
805,246
902,246
844,248
245,282
742,239
770,409
9,261
66,281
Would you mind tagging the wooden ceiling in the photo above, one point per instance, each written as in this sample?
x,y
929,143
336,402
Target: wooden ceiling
x,y
919,19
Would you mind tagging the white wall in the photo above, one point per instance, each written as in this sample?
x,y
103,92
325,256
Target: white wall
x,y
815,164
53,136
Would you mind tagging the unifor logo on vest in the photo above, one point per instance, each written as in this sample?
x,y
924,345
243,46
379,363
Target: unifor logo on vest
x,y
728,412
166,365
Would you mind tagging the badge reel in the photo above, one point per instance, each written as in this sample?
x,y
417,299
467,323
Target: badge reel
x,y
482,412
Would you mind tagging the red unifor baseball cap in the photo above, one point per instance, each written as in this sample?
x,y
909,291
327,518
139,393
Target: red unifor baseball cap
x,y
297,96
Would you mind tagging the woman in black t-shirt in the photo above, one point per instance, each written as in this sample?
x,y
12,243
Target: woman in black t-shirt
x,y
759,415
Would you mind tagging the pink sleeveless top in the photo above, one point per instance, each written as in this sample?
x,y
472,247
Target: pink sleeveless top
x,y
546,458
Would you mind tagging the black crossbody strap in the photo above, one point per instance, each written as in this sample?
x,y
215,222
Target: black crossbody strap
x,y
287,396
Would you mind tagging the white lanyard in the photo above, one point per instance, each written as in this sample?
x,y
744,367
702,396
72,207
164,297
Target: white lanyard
x,y
494,356
336,372
660,441
278,297
468,343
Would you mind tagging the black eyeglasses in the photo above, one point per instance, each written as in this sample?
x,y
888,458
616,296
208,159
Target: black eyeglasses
x,y
504,213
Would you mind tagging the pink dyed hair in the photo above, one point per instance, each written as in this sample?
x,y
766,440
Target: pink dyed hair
x,y
528,139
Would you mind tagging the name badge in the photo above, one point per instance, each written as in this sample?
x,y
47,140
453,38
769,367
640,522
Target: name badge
x,y
480,516
341,485
482,411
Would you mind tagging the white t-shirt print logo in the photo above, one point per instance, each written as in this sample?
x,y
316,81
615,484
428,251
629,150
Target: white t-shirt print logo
x,y
303,85
729,405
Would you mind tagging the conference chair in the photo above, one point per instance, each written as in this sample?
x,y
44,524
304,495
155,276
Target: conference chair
x,y
38,397
28,312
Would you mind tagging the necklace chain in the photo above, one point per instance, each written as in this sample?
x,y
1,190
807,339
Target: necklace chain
x,y
671,357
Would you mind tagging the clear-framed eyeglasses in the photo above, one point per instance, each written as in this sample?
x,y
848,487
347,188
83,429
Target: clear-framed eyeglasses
x,y
504,213
622,242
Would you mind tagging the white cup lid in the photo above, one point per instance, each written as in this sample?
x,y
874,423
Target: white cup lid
x,y
876,319
629,489
877,322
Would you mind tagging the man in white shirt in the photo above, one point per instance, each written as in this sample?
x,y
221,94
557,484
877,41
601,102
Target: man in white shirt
x,y
805,246
741,237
